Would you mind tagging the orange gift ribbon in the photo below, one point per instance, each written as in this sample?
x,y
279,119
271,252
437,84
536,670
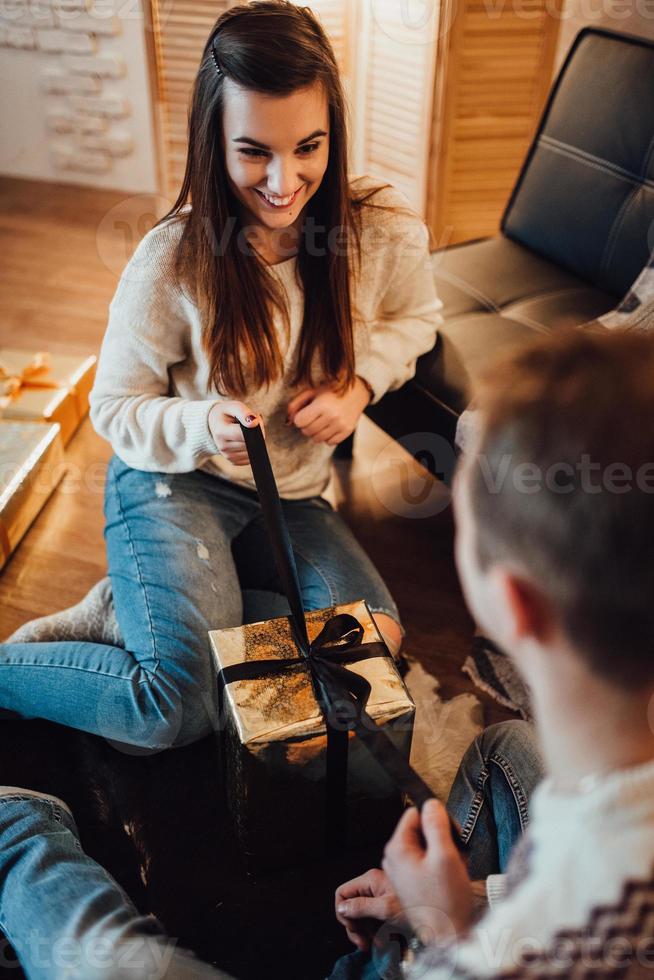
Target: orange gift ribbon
x,y
31,376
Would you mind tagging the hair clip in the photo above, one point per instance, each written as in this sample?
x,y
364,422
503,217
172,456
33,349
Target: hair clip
x,y
215,59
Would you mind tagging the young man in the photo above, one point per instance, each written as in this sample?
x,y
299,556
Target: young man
x,y
555,539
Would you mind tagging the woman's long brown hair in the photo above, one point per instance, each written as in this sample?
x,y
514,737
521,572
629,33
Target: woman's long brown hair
x,y
275,47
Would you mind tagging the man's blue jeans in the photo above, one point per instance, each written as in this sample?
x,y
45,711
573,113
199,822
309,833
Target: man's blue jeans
x,y
490,795
184,552
489,800
65,916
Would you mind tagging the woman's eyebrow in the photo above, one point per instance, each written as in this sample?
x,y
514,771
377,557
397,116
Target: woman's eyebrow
x,y
318,132
263,146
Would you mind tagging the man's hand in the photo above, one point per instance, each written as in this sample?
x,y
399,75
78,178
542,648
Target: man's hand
x,y
428,874
323,416
365,902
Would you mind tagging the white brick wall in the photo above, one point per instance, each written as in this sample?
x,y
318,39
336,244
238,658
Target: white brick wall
x,y
115,144
57,82
59,41
79,65
19,37
104,65
77,21
102,105
31,15
63,6
67,156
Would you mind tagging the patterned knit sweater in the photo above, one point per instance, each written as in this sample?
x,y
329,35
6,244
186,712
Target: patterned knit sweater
x,y
152,398
579,898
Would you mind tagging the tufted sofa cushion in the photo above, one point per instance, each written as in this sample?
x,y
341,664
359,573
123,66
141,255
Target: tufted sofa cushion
x,y
585,198
578,229
495,294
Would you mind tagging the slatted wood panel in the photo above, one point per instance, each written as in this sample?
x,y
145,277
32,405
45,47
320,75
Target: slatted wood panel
x,y
334,17
180,31
395,84
494,71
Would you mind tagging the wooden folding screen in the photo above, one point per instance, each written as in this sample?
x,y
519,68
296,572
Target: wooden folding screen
x,y
445,110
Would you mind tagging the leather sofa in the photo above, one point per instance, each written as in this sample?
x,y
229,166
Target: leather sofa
x,y
577,230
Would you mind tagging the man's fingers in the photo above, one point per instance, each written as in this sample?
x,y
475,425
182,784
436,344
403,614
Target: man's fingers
x,y
299,402
358,939
407,839
364,907
361,885
436,826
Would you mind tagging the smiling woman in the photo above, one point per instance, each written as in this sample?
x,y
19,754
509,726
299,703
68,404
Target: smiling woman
x,y
277,291
277,179
268,97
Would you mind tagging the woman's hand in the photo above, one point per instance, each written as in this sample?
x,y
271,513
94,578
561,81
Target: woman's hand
x,y
363,904
223,425
324,416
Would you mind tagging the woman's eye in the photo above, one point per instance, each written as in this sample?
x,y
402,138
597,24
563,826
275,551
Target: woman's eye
x,y
306,150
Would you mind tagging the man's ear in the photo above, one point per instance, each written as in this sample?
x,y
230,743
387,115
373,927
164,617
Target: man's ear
x,y
529,611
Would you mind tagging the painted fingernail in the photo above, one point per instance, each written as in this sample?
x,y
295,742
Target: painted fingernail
x,y
250,418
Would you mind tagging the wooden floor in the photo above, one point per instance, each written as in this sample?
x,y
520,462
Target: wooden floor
x,y
63,249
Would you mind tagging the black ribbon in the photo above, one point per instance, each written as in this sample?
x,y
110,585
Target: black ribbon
x,y
342,695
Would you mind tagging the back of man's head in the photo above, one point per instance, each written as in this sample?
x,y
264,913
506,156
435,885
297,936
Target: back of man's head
x,y
563,486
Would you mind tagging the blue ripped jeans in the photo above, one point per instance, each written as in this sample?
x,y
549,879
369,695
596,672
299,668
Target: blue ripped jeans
x,y
64,915
187,553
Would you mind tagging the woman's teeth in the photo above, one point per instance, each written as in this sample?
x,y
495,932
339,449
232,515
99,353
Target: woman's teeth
x,y
279,202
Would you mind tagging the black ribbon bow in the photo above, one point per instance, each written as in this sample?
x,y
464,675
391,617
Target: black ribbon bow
x,y
342,695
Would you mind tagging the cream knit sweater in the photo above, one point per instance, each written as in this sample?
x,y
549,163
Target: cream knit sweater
x,y
578,899
151,397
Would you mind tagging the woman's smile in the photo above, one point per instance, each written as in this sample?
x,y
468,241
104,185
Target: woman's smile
x,y
277,203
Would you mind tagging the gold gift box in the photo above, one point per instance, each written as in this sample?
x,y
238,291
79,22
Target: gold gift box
x,y
31,465
273,745
66,401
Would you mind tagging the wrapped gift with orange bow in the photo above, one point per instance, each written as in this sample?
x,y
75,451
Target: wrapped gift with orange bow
x,y
31,466
43,387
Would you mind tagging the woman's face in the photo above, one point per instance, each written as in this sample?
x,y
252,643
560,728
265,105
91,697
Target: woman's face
x,y
276,150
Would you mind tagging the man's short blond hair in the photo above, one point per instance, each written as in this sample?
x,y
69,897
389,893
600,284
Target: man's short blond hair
x,y
563,484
